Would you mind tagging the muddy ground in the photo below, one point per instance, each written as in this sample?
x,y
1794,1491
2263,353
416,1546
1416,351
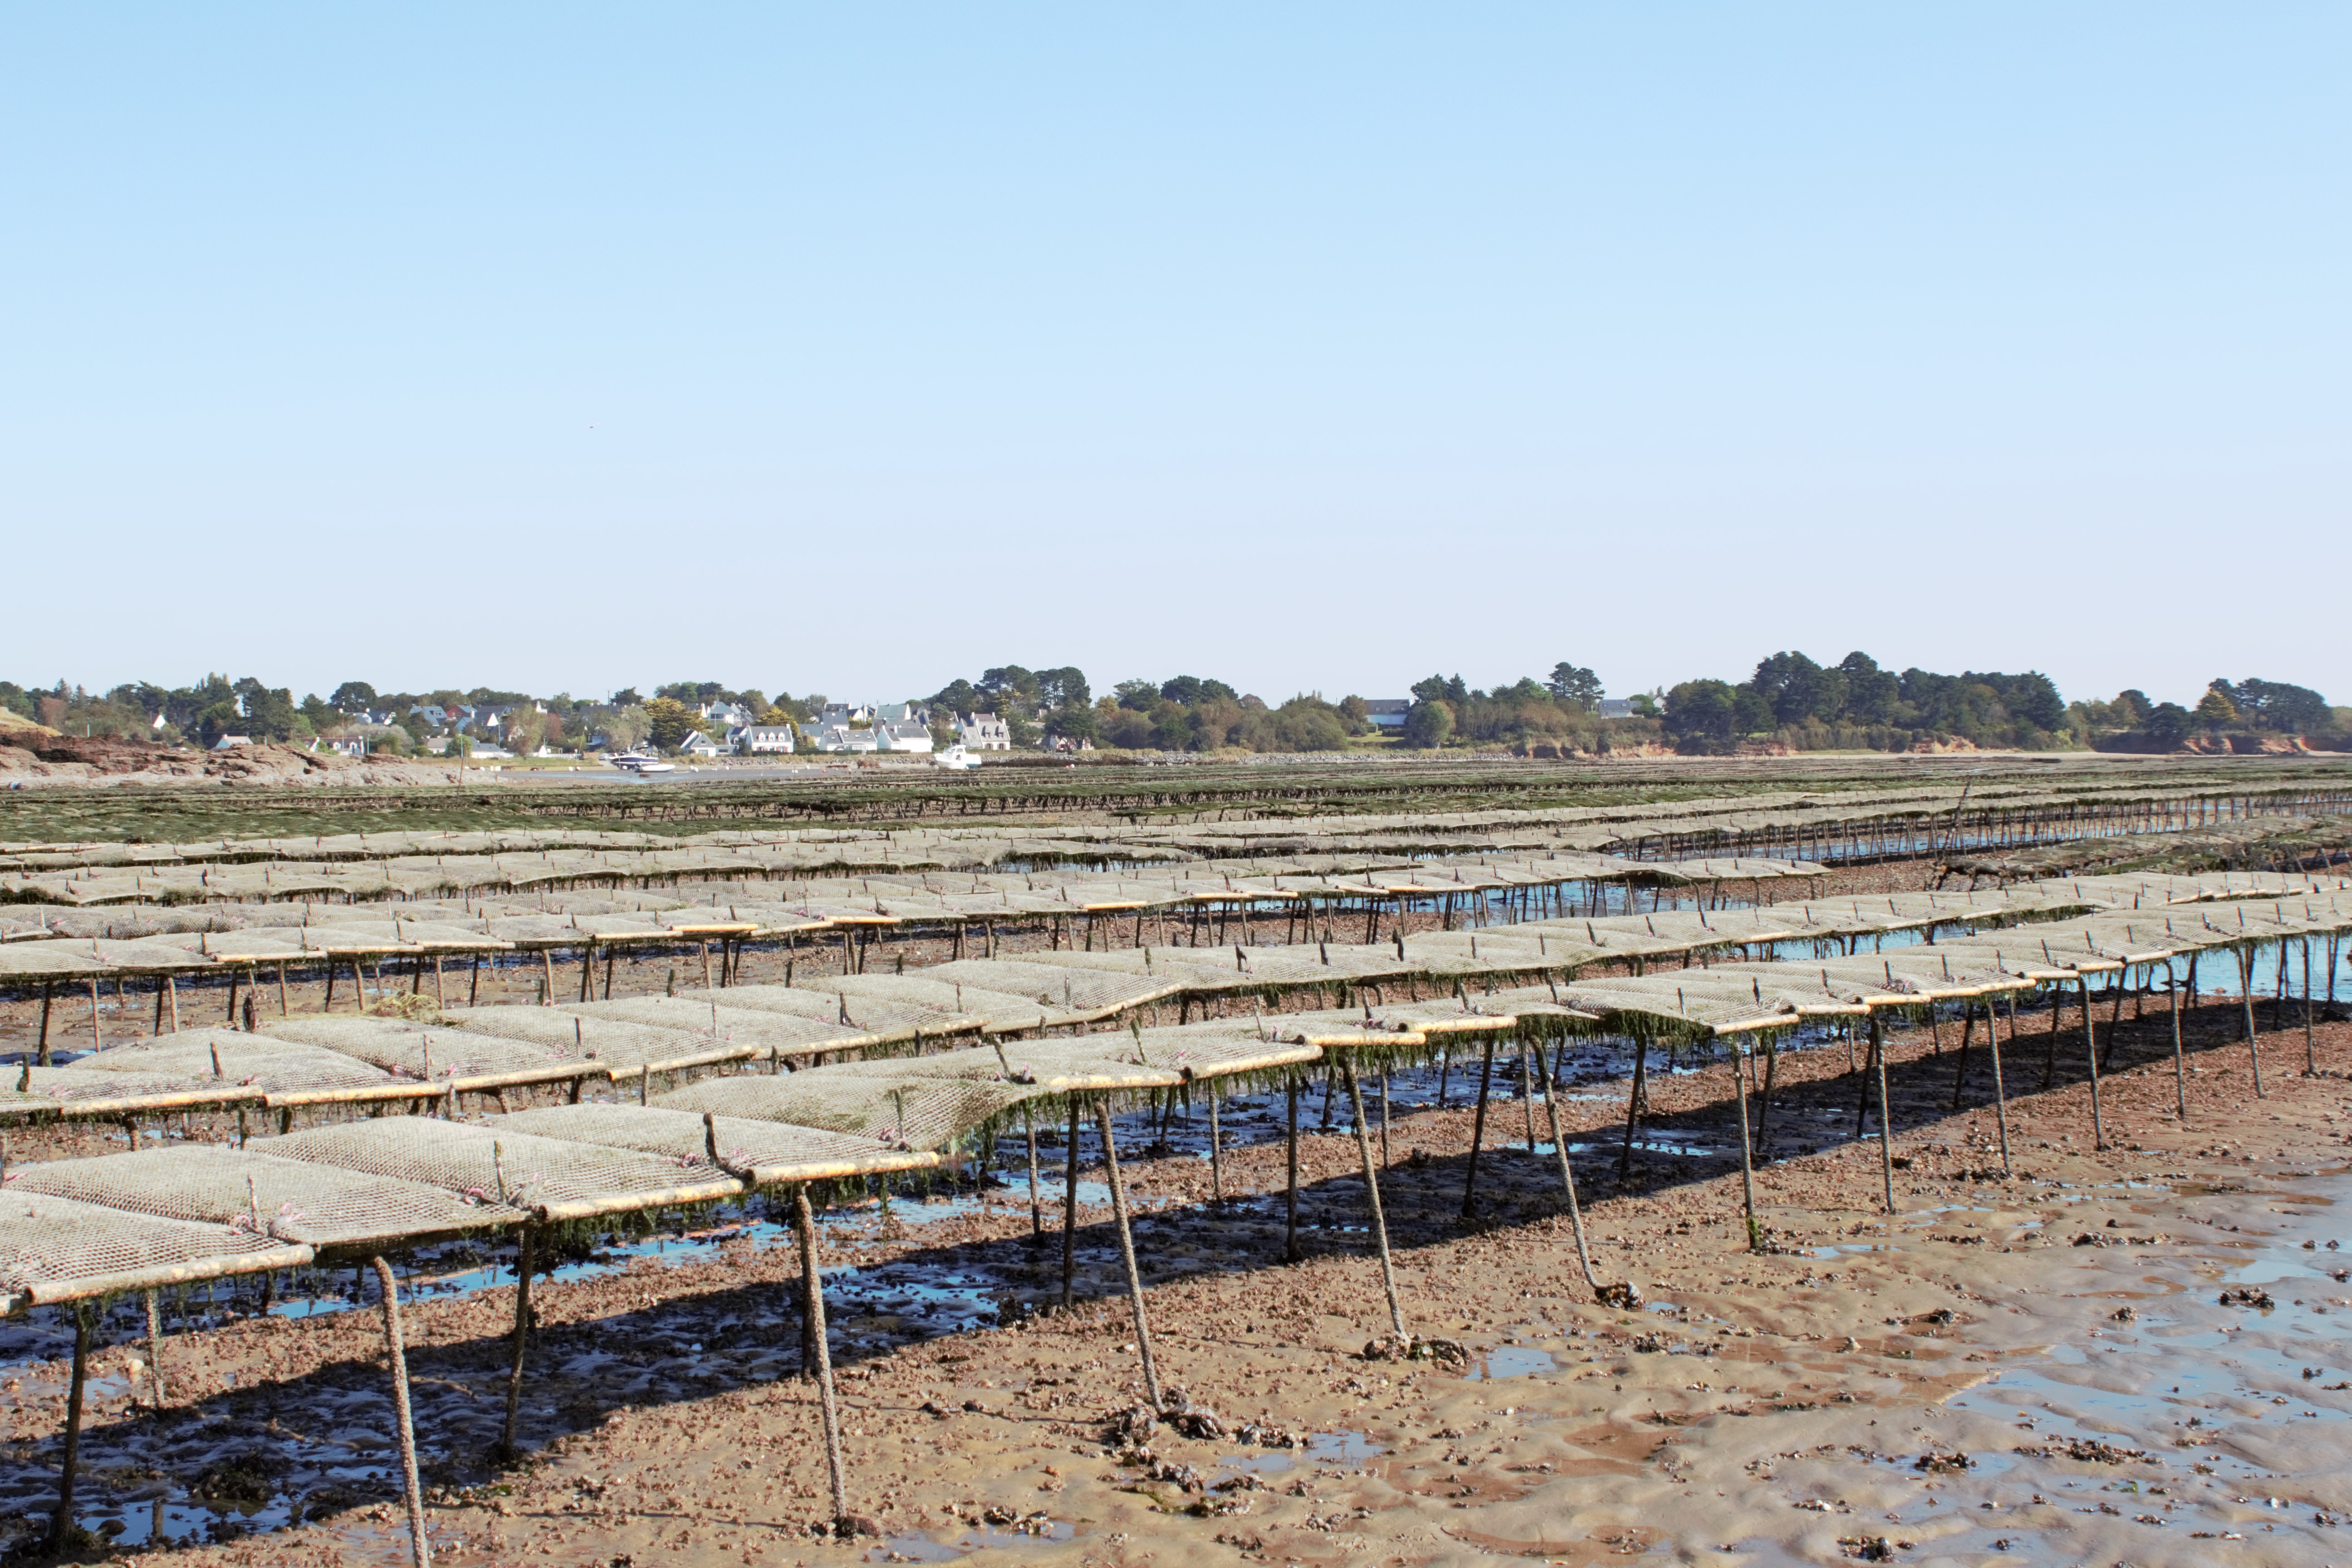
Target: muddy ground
x,y
1810,1403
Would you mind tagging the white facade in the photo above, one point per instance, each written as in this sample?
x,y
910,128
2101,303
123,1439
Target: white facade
x,y
751,739
727,715
984,732
699,744
906,735
841,738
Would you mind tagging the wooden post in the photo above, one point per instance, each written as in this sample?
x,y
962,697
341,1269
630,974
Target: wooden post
x,y
812,1299
507,1449
474,987
2000,1095
1526,1095
2179,1064
1886,1120
1634,1104
2310,1050
48,996
1739,1075
61,1522
155,1346
2246,985
1216,1150
1127,1251
1385,1119
420,1549
1373,1198
1967,1027
440,995
1036,1203
1070,1210
1567,1174
1478,1129
2091,1055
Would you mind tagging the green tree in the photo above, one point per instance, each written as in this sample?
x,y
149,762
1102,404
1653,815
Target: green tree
x,y
2168,724
2214,709
668,721
354,697
217,720
1573,685
1429,722
625,727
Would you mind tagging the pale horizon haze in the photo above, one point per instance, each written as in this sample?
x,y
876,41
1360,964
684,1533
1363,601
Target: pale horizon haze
x,y
1313,347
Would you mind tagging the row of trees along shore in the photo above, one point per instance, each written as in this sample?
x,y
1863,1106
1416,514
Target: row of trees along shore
x,y
1788,703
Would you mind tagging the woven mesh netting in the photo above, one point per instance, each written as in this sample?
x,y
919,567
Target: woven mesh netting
x,y
762,1151
594,1037
60,1242
879,1099
714,1024
552,1177
87,1089
63,961
1106,1061
255,1192
258,1062
1225,1048
959,1007
1073,988
423,1050
886,1020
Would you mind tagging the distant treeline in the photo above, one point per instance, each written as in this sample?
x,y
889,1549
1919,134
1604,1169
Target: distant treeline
x,y
1789,701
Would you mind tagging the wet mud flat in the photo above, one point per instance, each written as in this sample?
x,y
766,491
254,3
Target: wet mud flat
x,y
2036,1369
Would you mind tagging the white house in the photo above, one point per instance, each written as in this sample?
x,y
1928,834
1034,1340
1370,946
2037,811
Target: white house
x,y
227,743
1388,713
984,732
349,745
841,738
845,714
749,739
1616,708
905,735
902,712
729,715
697,744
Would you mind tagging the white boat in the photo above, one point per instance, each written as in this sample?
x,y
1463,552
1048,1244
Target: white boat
x,y
955,757
645,769
641,764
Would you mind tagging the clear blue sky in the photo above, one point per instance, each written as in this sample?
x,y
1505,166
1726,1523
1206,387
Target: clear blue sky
x,y
854,348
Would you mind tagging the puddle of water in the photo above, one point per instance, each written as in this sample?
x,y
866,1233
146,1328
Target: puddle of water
x,y
982,1538
1512,1361
1342,1448
2240,1407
